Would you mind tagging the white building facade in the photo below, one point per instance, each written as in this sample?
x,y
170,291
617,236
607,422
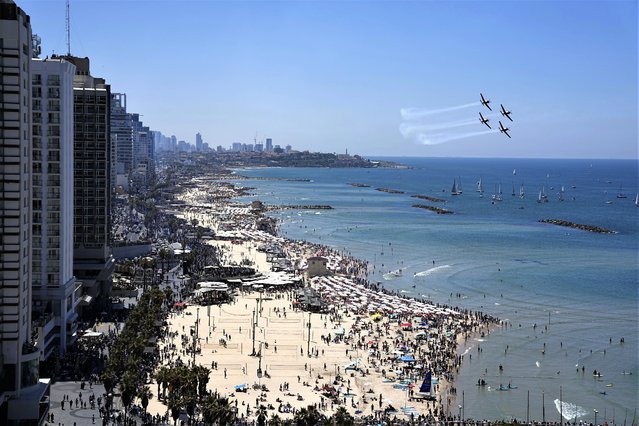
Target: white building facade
x,y
55,290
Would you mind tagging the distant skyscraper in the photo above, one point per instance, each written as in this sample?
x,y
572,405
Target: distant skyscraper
x,y
269,145
92,259
259,147
143,171
21,392
237,147
122,132
55,291
198,142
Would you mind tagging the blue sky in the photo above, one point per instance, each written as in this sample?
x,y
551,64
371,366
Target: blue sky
x,y
332,75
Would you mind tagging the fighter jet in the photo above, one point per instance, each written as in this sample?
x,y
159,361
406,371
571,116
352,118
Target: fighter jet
x,y
505,113
485,102
484,120
503,129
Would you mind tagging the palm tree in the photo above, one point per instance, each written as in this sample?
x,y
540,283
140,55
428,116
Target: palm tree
x,y
342,418
145,394
308,416
127,391
218,410
175,407
202,374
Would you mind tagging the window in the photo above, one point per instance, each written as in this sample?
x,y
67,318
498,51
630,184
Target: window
x,y
54,93
53,80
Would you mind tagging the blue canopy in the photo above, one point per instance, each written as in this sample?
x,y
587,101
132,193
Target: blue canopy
x,y
240,387
407,358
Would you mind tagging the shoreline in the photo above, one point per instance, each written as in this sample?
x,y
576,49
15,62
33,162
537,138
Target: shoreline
x,y
342,267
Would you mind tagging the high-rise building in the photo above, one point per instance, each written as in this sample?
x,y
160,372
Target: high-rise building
x,y
198,142
54,288
143,171
269,145
122,136
92,259
22,393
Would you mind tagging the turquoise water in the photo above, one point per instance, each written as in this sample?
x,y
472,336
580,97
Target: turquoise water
x,y
579,288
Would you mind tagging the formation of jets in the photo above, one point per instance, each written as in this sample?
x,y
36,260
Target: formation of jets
x,y
503,112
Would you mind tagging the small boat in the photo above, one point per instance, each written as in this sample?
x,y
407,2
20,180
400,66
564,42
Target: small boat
x,y
480,188
543,198
497,195
522,194
560,194
513,193
455,190
637,200
621,194
514,172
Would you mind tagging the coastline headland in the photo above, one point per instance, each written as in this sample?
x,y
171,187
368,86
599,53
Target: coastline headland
x,y
330,338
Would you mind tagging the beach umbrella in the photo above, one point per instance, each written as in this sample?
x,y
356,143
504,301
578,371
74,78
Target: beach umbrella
x,y
407,358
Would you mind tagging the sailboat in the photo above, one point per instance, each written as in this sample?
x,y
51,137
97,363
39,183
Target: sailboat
x,y
480,188
456,190
497,196
522,194
621,194
513,193
560,194
637,200
543,198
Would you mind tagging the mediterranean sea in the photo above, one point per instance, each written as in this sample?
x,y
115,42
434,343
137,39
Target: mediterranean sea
x,y
570,297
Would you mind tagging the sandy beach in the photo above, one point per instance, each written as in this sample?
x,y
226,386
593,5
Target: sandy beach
x,y
368,352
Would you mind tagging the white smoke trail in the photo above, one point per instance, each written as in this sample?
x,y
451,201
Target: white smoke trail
x,y
416,113
438,126
410,128
439,138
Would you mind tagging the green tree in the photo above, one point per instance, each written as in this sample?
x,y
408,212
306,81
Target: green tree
x,y
145,394
308,416
343,417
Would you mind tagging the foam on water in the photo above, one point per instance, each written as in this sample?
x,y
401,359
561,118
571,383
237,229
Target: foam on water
x,y
431,270
569,410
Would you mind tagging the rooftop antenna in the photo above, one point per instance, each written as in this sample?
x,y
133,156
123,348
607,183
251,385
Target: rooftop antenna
x,y
68,31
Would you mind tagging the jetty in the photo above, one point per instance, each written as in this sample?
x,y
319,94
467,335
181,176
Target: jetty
x,y
567,224
437,210
301,207
429,198
389,191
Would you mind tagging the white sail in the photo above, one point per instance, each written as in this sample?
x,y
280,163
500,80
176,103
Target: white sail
x,y
521,191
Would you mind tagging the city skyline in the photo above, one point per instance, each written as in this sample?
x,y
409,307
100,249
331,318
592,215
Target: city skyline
x,y
332,76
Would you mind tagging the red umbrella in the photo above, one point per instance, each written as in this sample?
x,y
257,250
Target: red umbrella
x,y
406,324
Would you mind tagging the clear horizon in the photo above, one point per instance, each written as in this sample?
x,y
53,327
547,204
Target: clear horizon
x,y
389,78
